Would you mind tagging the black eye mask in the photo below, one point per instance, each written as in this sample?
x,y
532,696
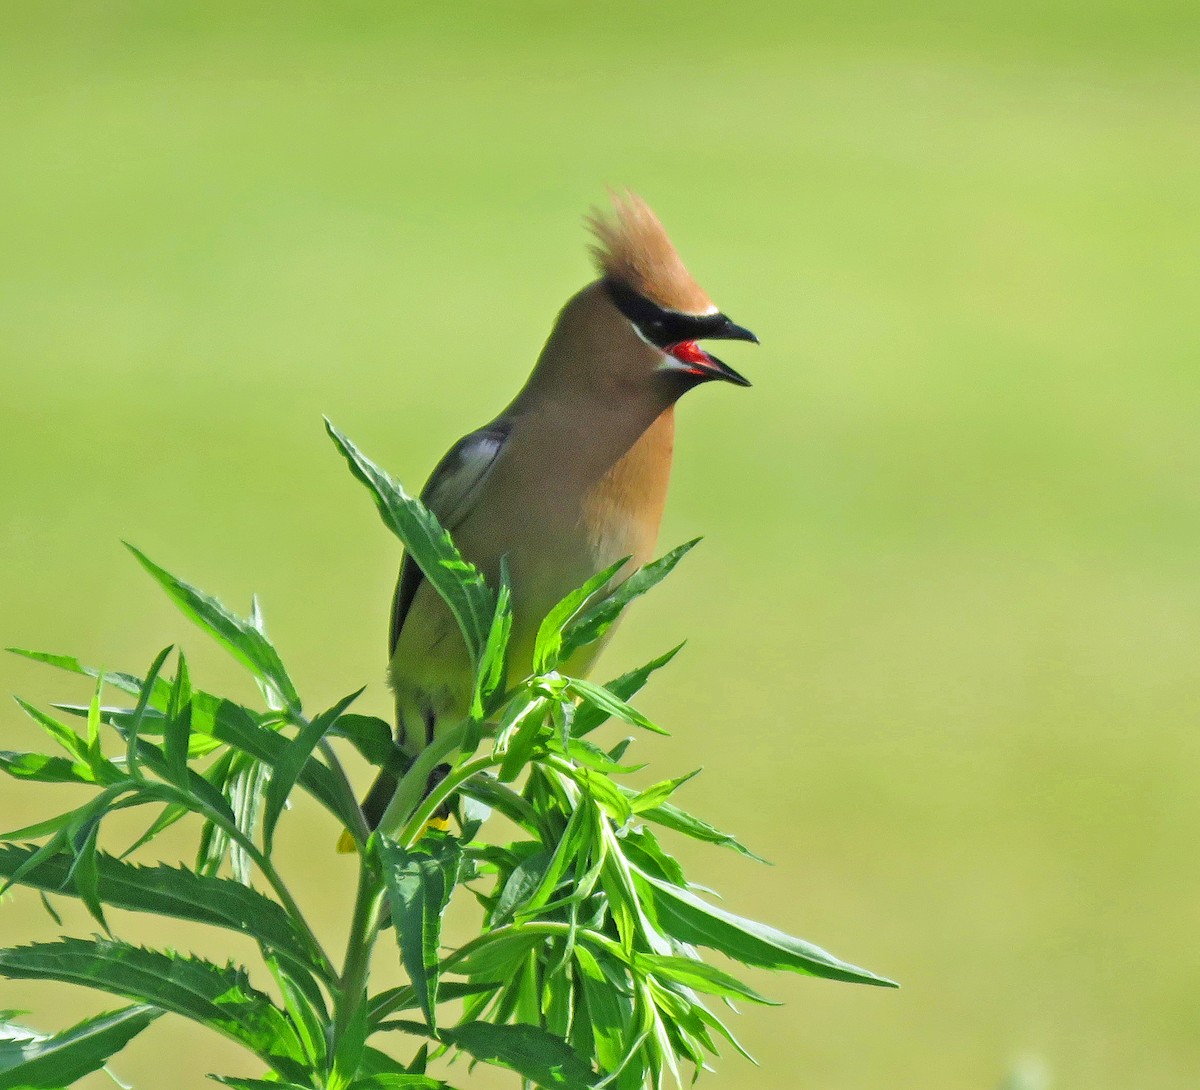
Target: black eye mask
x,y
663,327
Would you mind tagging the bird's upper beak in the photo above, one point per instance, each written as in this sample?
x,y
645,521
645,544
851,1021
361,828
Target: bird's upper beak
x,y
728,331
705,366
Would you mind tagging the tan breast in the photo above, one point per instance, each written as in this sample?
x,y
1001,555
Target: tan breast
x,y
624,509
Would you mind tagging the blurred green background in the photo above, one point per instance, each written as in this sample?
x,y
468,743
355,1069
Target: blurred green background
x,y
944,628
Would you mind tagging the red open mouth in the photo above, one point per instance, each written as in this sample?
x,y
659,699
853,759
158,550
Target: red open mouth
x,y
689,352
699,363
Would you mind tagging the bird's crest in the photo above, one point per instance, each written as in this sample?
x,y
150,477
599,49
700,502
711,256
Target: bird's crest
x,y
632,249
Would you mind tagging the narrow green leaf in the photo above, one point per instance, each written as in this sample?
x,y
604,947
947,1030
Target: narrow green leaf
x,y
658,793
562,712
83,870
219,997
573,846
686,1035
130,723
50,1062
642,849
617,752
605,792
491,793
420,1062
64,827
257,1084
291,763
236,634
145,696
210,852
498,955
379,1071
59,732
610,704
166,818
51,911
177,729
271,694
93,725
682,915
589,716
594,757
592,623
377,1062
153,695
168,891
520,710
699,976
40,828
519,744
530,1051
405,997
43,769
404,1025
420,882
372,737
520,886
680,1008
713,1022
590,860
398,1081
548,646
460,584
305,1006
525,991
671,817
127,683
660,1056
608,1009
579,1035
493,661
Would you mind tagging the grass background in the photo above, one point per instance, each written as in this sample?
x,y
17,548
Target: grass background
x,y
944,628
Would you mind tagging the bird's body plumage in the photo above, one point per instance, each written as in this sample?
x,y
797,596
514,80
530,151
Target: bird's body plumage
x,y
599,498
570,478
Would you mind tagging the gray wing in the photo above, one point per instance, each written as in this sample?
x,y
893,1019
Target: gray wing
x,y
450,493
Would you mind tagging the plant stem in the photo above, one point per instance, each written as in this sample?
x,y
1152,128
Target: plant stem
x,y
364,927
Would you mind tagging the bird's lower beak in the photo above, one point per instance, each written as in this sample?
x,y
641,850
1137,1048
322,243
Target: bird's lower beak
x,y
705,367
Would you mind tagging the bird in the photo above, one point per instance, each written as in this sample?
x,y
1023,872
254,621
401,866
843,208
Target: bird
x,y
569,479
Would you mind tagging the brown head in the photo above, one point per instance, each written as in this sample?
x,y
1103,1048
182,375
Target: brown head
x,y
637,328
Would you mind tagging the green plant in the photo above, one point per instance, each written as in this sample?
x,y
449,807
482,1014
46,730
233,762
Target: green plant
x,y
585,971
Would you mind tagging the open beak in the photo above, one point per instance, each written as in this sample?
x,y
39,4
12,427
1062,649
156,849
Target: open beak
x,y
706,367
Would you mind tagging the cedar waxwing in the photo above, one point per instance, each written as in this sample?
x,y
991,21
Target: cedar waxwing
x,y
568,479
